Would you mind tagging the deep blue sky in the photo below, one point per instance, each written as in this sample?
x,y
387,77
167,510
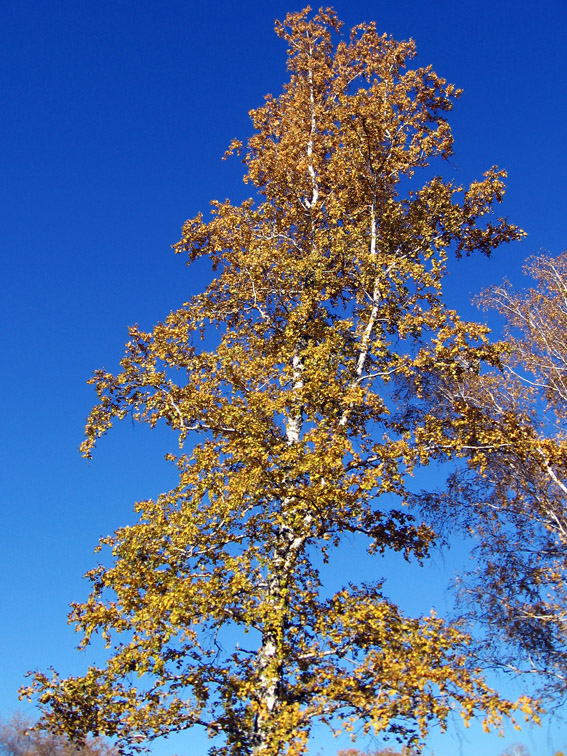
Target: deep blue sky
x,y
116,114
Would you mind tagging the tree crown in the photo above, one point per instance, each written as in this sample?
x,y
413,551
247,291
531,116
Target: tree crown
x,y
301,374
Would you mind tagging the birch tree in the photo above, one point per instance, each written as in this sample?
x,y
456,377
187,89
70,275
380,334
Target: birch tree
x,y
512,496
300,420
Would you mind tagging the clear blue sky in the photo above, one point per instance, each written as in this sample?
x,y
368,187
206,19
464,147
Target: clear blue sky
x,y
115,117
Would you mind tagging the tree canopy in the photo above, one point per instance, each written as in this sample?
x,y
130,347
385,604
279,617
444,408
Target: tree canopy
x,y
298,384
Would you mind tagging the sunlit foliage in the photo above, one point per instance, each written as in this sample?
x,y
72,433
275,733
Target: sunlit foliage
x,y
297,384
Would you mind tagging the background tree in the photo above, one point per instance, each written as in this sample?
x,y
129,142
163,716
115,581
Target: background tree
x,y
18,738
300,374
513,495
516,749
386,751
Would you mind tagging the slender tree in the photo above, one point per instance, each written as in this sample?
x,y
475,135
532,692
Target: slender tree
x,y
298,375
19,738
512,496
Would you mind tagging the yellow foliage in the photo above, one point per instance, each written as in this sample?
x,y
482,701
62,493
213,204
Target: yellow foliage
x,y
300,427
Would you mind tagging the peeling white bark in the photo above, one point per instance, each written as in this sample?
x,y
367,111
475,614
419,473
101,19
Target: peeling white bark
x,y
314,184
288,544
373,317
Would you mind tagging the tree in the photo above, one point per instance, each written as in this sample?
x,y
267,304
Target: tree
x,y
18,738
516,749
380,752
513,495
300,376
